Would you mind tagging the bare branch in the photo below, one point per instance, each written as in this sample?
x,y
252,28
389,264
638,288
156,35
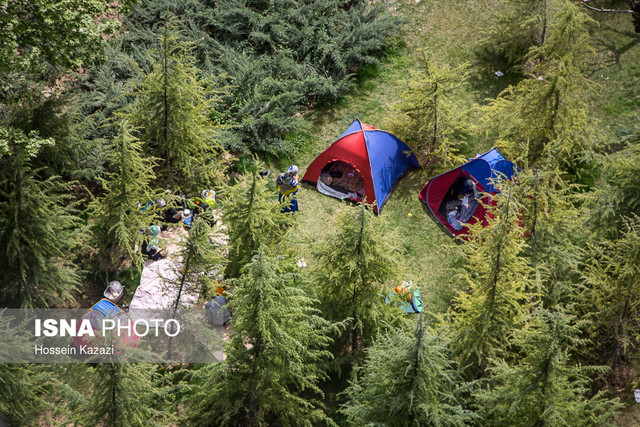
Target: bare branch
x,y
604,10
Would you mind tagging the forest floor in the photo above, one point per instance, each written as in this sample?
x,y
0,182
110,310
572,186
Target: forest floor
x,y
450,32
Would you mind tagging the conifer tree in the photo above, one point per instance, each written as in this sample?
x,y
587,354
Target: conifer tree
x,y
497,278
612,296
430,121
542,121
122,396
407,379
355,263
544,387
20,384
518,26
19,388
171,114
38,232
554,228
618,193
274,359
199,258
118,214
279,58
253,218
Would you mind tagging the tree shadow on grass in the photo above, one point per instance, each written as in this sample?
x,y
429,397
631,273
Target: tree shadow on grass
x,y
491,74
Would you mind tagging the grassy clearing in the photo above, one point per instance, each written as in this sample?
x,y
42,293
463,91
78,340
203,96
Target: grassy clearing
x,y
447,30
450,31
615,103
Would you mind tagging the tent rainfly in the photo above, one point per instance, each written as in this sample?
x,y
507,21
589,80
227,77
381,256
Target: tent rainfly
x,y
364,162
452,196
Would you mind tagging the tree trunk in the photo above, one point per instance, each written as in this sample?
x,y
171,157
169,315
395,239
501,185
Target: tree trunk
x,y
623,317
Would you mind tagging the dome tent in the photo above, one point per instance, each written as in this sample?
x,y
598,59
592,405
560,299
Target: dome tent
x,y
440,193
364,162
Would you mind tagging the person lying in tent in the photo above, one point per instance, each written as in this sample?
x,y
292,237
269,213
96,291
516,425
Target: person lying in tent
x,y
468,195
287,185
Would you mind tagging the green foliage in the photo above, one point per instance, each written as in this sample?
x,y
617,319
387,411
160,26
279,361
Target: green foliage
x,y
518,26
430,120
544,387
407,380
171,115
498,279
200,257
20,384
38,232
279,57
612,295
618,193
355,262
19,388
253,218
122,395
117,214
555,229
37,33
542,121
274,359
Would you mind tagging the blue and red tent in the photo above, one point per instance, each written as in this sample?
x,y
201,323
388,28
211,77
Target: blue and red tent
x,y
379,158
445,188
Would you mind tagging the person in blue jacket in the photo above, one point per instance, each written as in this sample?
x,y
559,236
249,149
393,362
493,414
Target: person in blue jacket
x,y
287,185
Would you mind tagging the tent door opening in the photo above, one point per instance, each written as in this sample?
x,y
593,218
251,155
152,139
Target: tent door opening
x,y
461,201
341,180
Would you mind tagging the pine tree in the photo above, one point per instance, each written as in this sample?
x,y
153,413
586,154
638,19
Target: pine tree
x,y
518,26
32,31
542,121
38,232
612,296
278,58
554,228
618,193
406,380
122,396
199,257
274,359
20,384
355,264
171,115
117,214
253,218
430,121
544,387
497,277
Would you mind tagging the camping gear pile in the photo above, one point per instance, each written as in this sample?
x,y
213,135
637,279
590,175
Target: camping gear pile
x,y
407,297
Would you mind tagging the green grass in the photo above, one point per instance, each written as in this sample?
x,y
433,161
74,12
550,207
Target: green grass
x,y
447,30
450,31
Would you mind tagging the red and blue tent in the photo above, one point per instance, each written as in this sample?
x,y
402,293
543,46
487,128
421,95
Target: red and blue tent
x,y
444,188
362,162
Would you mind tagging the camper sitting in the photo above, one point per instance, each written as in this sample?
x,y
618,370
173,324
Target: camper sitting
x,y
151,247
